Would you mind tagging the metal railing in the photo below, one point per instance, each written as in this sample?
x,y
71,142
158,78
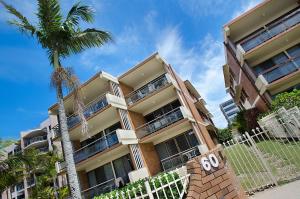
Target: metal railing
x,y
99,189
96,146
35,139
147,89
278,71
20,186
273,29
179,159
159,123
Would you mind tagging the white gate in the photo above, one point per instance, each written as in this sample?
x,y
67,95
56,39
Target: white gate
x,y
269,155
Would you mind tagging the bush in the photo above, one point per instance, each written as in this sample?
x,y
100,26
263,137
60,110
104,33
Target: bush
x,y
287,100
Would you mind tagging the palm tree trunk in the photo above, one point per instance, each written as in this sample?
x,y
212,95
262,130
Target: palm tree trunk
x,y
67,145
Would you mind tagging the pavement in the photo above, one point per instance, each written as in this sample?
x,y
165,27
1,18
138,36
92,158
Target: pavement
x,y
287,191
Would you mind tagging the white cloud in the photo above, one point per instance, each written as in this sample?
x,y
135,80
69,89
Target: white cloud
x,y
201,64
245,6
197,8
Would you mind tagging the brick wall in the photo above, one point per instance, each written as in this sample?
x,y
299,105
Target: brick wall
x,y
218,183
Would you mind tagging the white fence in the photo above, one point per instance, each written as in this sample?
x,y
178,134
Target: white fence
x,y
269,155
168,185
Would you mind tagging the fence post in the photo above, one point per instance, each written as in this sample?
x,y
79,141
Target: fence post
x,y
148,189
261,158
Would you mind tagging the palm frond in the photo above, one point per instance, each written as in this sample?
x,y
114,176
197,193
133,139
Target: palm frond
x,y
78,12
49,15
87,39
65,76
22,23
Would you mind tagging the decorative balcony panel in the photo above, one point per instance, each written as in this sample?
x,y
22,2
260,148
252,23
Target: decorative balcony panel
x,y
91,108
160,122
147,89
95,147
281,70
35,139
273,29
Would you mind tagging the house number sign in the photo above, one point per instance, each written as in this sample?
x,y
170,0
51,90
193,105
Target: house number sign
x,y
210,161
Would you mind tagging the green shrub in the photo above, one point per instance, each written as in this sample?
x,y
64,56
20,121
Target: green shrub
x,y
224,135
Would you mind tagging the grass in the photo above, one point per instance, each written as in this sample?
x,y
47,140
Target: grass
x,y
250,170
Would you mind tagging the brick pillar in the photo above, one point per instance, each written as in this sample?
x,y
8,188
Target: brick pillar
x,y
83,179
151,158
218,183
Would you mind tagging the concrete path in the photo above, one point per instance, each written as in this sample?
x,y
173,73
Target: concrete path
x,y
287,191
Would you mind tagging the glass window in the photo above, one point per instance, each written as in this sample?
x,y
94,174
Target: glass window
x,y
192,139
162,150
171,147
294,51
92,178
104,173
182,143
122,167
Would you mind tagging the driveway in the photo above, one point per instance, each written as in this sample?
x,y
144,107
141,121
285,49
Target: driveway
x,y
287,191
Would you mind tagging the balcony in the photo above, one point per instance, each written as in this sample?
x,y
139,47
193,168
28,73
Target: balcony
x,y
95,147
159,123
30,182
273,29
100,111
20,186
179,159
278,71
147,89
91,109
99,189
60,166
37,139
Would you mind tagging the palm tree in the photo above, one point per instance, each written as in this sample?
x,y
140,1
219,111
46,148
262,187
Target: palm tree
x,y
62,37
11,170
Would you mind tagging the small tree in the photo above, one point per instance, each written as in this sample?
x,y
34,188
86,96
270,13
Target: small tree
x,y
224,135
287,100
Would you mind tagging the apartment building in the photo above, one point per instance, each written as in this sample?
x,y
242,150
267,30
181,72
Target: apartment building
x,y
141,123
229,110
39,139
262,48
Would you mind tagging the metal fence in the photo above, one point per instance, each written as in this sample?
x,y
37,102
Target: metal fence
x,y
168,185
268,155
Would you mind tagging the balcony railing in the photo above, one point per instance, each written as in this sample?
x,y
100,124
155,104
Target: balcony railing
x,y
276,72
179,159
91,108
35,139
20,186
30,182
99,189
273,29
147,89
96,146
159,123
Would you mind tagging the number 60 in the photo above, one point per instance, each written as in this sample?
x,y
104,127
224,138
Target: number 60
x,y
210,161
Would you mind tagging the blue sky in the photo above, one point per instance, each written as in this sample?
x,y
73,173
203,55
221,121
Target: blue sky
x,y
187,33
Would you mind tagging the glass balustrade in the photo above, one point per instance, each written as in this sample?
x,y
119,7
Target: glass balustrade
x,y
179,159
159,123
91,108
147,89
271,30
99,189
281,70
95,147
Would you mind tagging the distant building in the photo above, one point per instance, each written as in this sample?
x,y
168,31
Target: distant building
x,y
229,110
